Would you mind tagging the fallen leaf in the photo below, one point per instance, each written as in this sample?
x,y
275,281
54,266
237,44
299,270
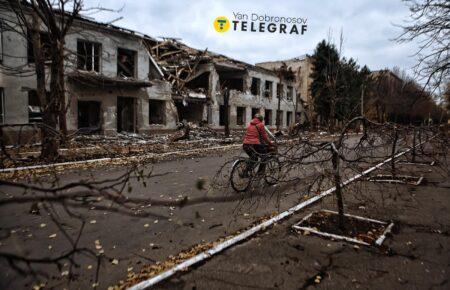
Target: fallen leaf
x,y
65,273
39,287
89,267
93,222
115,262
52,236
42,225
146,225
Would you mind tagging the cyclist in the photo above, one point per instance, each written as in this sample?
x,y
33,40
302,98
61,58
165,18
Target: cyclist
x,y
256,141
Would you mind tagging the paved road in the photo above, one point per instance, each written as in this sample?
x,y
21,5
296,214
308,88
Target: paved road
x,y
133,241
418,255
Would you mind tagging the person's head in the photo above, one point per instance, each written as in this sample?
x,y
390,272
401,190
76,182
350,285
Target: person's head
x,y
260,117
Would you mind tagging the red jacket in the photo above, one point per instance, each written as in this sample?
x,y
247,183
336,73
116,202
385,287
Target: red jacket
x,y
252,136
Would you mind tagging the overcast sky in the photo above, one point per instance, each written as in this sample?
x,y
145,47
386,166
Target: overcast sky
x,y
368,27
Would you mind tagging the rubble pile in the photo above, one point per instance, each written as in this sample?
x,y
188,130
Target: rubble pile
x,y
119,139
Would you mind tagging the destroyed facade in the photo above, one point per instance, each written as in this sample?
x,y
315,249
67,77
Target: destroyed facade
x,y
199,80
118,80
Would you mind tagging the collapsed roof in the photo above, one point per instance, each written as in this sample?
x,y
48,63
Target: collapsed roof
x,y
179,62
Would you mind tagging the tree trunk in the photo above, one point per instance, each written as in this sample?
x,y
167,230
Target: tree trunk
x,y
49,148
57,84
332,114
226,100
414,146
394,145
278,121
337,184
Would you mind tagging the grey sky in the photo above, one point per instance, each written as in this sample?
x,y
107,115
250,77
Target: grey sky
x,y
368,27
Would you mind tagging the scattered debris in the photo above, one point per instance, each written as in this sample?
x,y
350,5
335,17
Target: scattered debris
x,y
402,179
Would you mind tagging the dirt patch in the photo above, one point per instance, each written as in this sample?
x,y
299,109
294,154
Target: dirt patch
x,y
364,230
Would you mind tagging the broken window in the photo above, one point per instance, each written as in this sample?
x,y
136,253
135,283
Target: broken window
x,y
88,56
189,111
45,45
290,93
268,117
222,113
255,111
268,89
280,90
200,82
156,112
280,117
126,63
153,72
256,86
240,115
34,107
232,80
2,106
288,118
89,115
125,114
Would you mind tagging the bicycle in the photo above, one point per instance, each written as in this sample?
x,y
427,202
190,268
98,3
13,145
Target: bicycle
x,y
244,171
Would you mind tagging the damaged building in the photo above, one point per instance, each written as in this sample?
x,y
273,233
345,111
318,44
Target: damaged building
x,y
118,80
302,68
199,79
113,84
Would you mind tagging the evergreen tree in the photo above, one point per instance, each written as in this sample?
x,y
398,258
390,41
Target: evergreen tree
x,y
325,66
337,85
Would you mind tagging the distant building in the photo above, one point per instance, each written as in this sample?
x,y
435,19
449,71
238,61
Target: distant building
x,y
302,68
394,98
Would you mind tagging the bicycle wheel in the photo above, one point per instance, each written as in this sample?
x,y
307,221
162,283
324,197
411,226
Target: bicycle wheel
x,y
241,176
273,171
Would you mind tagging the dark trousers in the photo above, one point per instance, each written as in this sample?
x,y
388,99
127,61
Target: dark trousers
x,y
255,151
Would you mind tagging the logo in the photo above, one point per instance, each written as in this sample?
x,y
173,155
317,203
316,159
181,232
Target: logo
x,y
262,23
221,24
